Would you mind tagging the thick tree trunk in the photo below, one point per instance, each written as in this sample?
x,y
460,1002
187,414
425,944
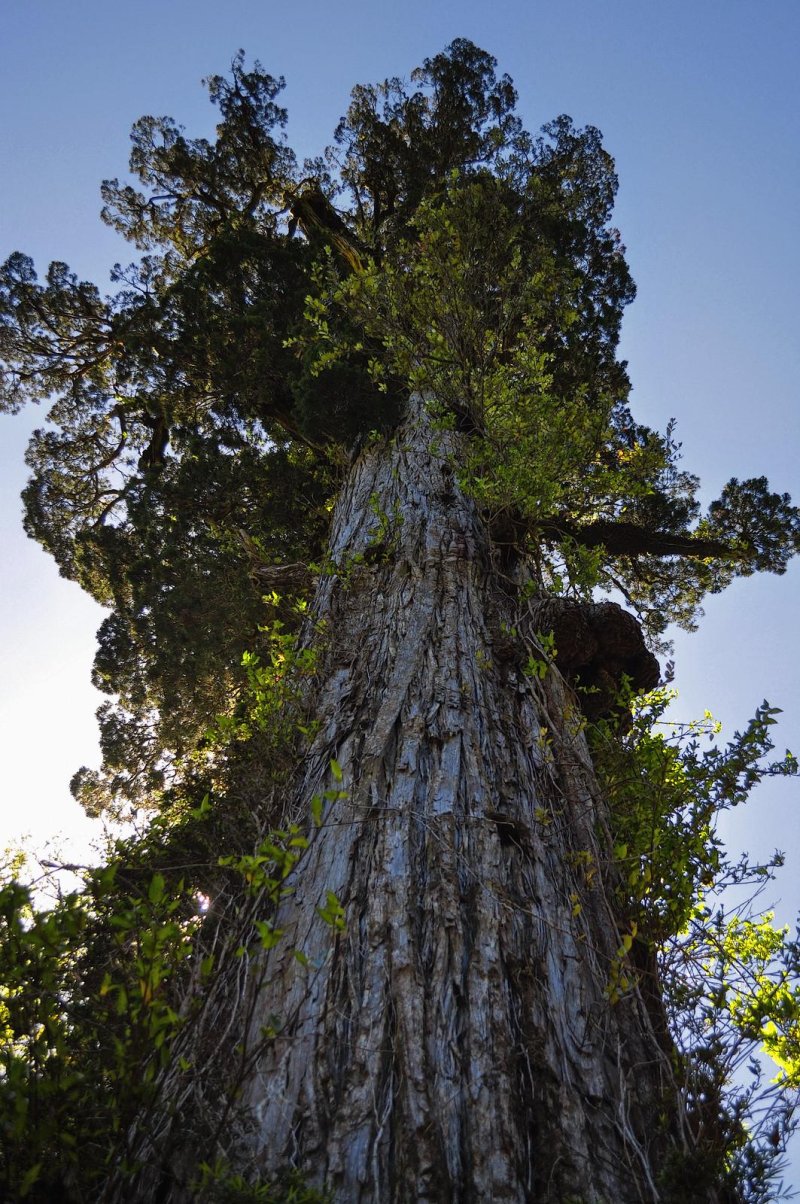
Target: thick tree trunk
x,y
455,1041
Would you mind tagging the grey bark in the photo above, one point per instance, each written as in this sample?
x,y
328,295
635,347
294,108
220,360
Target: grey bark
x,y
455,1042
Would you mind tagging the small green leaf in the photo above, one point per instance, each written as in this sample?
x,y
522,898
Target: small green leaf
x,y
156,891
268,934
29,1178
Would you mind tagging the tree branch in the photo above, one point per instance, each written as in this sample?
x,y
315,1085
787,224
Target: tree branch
x,y
628,539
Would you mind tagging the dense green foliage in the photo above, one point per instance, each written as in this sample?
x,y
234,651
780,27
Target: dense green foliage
x,y
110,1003
114,997
721,981
208,395
202,416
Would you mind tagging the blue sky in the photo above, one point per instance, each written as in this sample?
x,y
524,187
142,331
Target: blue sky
x,y
698,102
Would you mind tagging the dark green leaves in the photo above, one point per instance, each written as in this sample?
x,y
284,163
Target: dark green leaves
x,y
194,188
264,326
761,527
53,336
399,147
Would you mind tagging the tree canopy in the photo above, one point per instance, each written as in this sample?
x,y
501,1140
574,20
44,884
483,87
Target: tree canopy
x,y
206,394
276,313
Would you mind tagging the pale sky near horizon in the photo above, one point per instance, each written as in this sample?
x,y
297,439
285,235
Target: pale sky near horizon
x,y
699,104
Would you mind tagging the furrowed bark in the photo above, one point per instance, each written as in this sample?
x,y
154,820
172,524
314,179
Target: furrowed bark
x,y
455,1041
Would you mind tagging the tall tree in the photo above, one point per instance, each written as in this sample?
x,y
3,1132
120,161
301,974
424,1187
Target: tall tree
x,y
384,392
